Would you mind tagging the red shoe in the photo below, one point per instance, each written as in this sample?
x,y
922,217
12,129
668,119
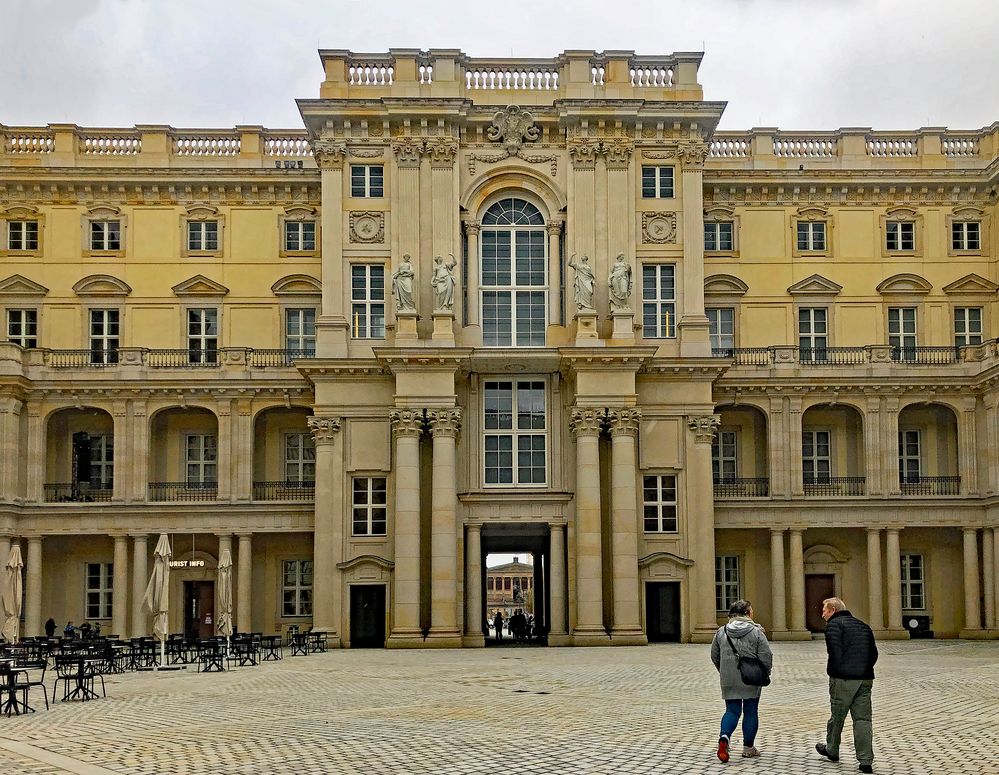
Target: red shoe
x,y
723,749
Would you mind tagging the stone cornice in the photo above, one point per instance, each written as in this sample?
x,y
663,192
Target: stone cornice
x,y
847,187
423,358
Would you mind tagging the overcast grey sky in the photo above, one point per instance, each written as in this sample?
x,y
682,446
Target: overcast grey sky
x,y
795,64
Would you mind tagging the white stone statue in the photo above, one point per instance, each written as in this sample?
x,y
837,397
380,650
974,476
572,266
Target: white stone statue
x,y
583,284
619,285
443,283
403,279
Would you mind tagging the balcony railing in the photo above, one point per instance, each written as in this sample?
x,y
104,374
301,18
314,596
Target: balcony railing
x,y
930,485
927,355
735,487
264,358
183,491
78,492
834,485
172,359
831,356
821,357
284,491
744,356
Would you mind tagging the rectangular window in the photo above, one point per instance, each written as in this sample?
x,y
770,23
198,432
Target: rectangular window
x,y
811,235
913,581
100,578
105,235
657,182
22,235
659,504
813,334
101,473
367,180
728,585
300,331
515,433
367,299
724,456
202,236
966,235
514,275
201,459
967,325
22,327
721,330
104,330
816,460
900,235
299,458
299,236
658,301
902,333
369,505
296,588
718,236
202,336
909,456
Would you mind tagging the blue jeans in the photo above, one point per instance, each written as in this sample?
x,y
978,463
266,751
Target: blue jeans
x,y
750,710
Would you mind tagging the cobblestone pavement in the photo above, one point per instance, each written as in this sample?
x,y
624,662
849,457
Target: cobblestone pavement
x,y
517,710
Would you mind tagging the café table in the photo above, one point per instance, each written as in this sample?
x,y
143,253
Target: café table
x,y
271,645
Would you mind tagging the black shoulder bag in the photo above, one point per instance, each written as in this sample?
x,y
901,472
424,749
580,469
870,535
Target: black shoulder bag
x,y
752,670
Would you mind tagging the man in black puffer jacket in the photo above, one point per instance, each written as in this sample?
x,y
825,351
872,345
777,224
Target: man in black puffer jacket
x,y
852,654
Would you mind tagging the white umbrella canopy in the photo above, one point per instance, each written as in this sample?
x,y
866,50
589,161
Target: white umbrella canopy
x,y
157,595
11,594
225,592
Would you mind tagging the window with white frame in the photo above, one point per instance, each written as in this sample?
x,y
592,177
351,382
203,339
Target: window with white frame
x,y
369,505
105,235
367,301
367,180
515,425
721,330
22,235
299,236
202,335
659,504
718,236
813,334
811,236
966,235
967,326
104,332
728,581
202,236
514,275
296,588
22,327
657,182
816,457
902,333
913,582
900,235
299,458
909,456
300,330
100,591
101,474
725,456
658,301
201,460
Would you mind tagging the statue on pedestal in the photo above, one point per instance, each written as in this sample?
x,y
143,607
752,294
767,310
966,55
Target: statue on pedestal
x,y
402,286
443,283
583,285
619,285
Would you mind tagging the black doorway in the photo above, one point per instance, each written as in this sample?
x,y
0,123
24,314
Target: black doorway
x,y
662,611
199,609
367,616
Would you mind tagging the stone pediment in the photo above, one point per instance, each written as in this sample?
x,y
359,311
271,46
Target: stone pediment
x,y
101,285
667,557
816,285
18,285
724,285
199,285
971,284
366,559
297,285
904,284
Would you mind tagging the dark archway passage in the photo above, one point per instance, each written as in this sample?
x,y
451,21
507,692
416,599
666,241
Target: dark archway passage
x,y
533,593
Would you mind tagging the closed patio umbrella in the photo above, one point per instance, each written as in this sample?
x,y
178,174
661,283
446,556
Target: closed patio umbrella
x,y
157,598
11,594
225,593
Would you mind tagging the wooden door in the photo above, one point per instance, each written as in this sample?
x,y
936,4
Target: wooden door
x,y
199,609
662,612
818,587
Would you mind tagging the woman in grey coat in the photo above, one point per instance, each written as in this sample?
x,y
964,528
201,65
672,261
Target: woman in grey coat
x,y
746,637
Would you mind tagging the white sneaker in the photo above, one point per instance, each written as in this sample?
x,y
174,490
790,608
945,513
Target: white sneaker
x,y
750,752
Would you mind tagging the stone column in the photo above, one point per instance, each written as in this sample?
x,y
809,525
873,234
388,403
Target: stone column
x,y
411,206
225,542
702,527
994,581
972,603
627,624
988,573
875,579
795,427
4,550
797,557
586,424
407,425
889,452
874,480
226,462
472,280
119,587
244,583
778,463
968,447
327,531
990,458
36,455
893,580
33,588
444,425
10,443
121,455
241,450
332,326
557,635
554,273
473,587
140,577
693,328
139,464
778,582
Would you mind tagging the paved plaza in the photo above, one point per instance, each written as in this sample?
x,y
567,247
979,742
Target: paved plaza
x,y
511,710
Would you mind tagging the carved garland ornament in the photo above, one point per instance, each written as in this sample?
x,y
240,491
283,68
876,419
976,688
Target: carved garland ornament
x,y
659,228
367,227
513,127
704,427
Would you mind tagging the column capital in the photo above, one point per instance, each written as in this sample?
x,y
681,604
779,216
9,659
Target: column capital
x,y
554,226
244,536
624,421
617,153
407,422
408,151
140,536
474,527
324,429
329,154
777,530
587,420
444,422
584,153
704,427
472,228
692,156
442,152
873,529
967,530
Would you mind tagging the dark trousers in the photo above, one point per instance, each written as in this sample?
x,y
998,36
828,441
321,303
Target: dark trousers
x,y
750,711
853,697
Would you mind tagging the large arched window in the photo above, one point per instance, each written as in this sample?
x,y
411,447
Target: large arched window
x,y
514,275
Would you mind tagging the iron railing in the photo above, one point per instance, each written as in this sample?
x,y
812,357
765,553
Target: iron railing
x,y
284,491
929,485
831,356
834,485
183,491
740,487
931,356
78,492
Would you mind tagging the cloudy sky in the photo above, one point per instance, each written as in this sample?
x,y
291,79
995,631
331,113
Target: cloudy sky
x,y
795,64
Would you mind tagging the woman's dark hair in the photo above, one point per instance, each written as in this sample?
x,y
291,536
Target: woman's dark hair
x,y
740,608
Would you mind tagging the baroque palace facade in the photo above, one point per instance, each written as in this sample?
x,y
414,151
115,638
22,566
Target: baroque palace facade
x,y
787,387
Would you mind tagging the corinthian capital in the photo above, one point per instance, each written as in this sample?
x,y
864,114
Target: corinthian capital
x,y
587,420
444,422
693,154
324,429
583,153
623,421
704,427
442,152
407,422
329,153
407,151
617,153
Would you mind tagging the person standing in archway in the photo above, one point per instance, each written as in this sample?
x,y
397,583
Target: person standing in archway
x,y
498,622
